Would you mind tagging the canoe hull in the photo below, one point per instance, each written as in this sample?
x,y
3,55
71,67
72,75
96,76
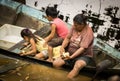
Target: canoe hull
x,y
89,69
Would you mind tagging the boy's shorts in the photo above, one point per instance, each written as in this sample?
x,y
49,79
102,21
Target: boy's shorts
x,y
55,42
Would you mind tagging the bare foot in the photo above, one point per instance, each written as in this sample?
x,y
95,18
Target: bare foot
x,y
71,79
49,60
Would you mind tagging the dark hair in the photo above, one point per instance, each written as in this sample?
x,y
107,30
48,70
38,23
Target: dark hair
x,y
28,33
80,19
51,11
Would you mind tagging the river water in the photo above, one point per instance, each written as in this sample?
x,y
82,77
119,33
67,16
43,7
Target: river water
x,y
37,72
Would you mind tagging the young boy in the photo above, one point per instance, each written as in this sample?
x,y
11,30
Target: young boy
x,y
59,30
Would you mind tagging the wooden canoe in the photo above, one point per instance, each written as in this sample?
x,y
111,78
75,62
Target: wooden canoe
x,y
99,56
113,69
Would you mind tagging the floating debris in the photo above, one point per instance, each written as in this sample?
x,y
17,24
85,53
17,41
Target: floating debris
x,y
21,80
19,74
27,77
18,69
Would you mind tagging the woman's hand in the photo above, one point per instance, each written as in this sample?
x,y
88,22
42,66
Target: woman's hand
x,y
66,56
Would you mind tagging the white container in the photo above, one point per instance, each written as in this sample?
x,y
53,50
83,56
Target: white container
x,y
10,35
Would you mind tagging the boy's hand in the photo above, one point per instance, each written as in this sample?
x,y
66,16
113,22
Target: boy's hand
x,y
62,50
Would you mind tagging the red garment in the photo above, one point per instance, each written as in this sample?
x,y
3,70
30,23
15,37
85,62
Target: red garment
x,y
61,28
81,39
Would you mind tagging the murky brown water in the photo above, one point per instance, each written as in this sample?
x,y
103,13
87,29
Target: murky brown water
x,y
37,72
5,60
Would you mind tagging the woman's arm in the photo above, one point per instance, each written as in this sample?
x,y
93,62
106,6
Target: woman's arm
x,y
65,44
66,41
67,38
77,53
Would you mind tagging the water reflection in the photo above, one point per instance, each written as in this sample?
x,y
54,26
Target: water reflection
x,y
37,72
5,60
